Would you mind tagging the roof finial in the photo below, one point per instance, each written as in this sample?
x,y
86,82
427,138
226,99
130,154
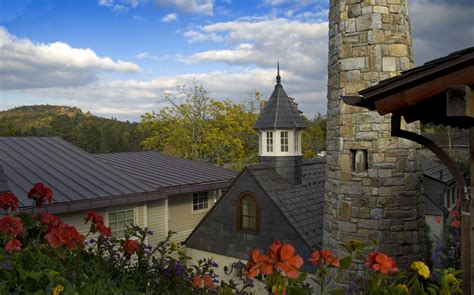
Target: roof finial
x,y
278,73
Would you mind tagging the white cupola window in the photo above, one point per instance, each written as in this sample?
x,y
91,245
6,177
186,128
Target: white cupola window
x,y
269,141
297,141
284,141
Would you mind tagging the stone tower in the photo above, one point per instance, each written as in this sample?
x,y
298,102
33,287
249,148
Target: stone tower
x,y
279,127
373,189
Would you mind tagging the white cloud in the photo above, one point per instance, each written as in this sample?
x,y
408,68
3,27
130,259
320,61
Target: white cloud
x,y
205,7
301,47
147,55
28,65
440,27
128,99
170,18
119,5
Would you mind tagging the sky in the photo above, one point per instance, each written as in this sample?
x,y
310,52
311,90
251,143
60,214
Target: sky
x,y
118,58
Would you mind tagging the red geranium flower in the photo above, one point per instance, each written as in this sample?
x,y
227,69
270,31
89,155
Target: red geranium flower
x,y
11,225
321,257
40,194
130,247
8,201
280,256
455,223
49,220
104,230
64,235
92,216
381,263
288,261
438,219
13,246
258,264
203,282
454,213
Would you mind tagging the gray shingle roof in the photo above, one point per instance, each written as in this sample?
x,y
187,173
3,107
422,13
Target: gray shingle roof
x,y
160,170
280,112
303,204
72,173
436,170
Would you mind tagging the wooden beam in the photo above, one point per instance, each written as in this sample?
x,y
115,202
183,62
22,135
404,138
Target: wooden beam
x,y
460,101
418,93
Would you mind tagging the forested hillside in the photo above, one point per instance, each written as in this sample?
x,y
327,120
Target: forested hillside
x,y
92,133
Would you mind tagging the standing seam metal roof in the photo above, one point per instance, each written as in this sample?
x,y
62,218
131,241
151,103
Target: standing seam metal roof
x,y
72,173
160,170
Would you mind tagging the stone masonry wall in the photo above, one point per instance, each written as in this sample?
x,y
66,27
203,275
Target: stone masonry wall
x,y
369,41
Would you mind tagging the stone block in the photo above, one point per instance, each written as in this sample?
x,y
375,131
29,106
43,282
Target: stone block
x,y
353,76
366,22
398,50
380,9
376,213
344,210
375,36
354,10
366,9
350,25
347,227
368,223
389,64
353,63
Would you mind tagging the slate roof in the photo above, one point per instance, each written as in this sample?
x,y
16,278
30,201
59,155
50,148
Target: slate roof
x,y
436,170
280,112
160,170
303,204
72,173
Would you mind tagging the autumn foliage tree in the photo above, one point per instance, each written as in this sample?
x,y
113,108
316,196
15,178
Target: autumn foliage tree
x,y
197,127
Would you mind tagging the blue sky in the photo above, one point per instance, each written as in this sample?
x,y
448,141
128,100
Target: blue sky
x,y
118,57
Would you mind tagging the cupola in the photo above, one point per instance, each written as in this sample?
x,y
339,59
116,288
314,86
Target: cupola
x,y
279,126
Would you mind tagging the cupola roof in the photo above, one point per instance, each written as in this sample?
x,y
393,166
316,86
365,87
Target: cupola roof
x,y
280,112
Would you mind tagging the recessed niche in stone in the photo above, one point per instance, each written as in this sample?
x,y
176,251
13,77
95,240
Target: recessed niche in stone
x,y
359,160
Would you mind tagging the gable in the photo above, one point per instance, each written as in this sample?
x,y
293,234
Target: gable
x,y
222,222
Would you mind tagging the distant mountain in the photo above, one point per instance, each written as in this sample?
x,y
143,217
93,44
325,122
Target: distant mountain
x,y
93,134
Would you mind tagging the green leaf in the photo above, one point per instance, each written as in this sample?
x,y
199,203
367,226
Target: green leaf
x,y
337,291
346,262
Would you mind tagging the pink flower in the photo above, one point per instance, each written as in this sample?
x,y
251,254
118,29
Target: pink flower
x,y
438,219
8,201
455,223
40,194
130,247
11,225
13,246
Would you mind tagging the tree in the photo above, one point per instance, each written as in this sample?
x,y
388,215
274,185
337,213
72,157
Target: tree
x,y
195,126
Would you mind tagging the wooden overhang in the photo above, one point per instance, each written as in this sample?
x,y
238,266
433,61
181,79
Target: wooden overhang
x,y
438,92
432,92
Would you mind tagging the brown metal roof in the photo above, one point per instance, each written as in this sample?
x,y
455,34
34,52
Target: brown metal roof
x,y
72,173
162,171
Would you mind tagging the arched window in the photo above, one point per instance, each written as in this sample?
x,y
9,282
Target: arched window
x,y
248,213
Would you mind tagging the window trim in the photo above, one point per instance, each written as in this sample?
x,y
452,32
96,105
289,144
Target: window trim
x,y
203,209
239,213
284,141
269,141
116,210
